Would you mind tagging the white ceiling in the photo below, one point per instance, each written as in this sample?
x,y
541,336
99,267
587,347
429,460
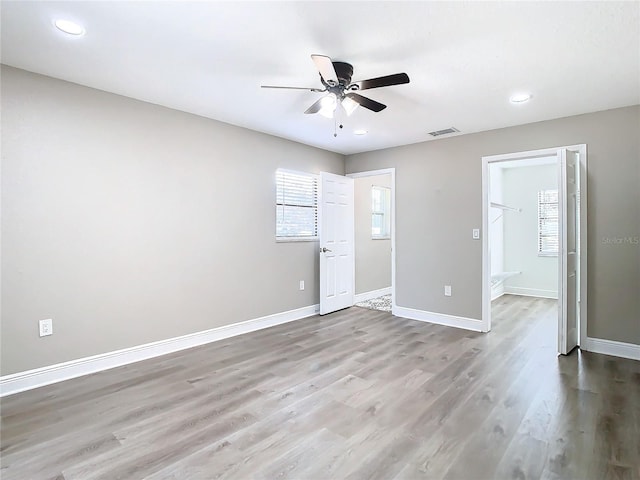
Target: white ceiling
x,y
464,59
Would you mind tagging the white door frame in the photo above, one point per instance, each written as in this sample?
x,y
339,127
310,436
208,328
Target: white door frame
x,y
486,265
373,173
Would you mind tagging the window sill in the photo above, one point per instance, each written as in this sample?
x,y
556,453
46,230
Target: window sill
x,y
296,239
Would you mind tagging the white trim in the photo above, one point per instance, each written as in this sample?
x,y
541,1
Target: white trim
x,y
531,292
296,239
530,154
486,288
610,347
373,173
27,380
439,318
486,267
497,292
582,224
363,297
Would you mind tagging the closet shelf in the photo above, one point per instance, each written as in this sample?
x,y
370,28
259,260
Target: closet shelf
x,y
498,278
505,207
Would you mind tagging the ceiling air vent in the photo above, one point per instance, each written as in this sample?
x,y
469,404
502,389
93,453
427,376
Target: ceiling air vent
x,y
446,131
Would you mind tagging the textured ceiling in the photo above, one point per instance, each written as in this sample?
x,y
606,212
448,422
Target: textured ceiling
x,y
464,59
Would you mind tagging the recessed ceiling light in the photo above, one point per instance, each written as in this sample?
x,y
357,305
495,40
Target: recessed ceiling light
x,y
67,26
360,132
520,98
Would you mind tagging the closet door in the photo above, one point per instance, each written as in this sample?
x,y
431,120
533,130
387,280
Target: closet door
x,y
568,255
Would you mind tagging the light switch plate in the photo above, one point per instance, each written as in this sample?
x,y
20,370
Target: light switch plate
x,y
476,233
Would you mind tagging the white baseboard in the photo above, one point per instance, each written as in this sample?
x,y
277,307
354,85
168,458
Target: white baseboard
x,y
497,292
27,380
439,318
610,347
363,297
531,292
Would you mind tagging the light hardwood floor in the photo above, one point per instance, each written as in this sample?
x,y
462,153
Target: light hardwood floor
x,y
358,394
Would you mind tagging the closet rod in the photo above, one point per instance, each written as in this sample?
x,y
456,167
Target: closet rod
x,y
504,207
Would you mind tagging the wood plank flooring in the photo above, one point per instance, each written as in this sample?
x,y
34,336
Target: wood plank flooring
x,y
358,394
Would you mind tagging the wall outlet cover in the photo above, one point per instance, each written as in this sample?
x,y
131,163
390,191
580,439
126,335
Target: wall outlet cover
x,y
46,327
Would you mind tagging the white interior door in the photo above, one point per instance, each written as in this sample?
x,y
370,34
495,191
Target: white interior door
x,y
569,249
337,262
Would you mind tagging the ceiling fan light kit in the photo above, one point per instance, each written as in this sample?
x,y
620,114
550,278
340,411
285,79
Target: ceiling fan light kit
x,y
336,80
328,105
349,105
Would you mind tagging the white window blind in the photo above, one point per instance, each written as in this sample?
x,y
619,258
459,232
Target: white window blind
x,y
548,222
380,212
296,205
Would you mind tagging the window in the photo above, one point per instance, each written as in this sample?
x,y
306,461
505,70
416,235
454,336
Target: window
x,y
548,223
296,205
380,212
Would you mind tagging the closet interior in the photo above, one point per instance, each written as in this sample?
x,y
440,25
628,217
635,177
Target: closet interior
x,y
522,224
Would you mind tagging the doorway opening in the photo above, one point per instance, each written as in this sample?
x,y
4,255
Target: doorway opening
x,y
535,235
523,237
374,225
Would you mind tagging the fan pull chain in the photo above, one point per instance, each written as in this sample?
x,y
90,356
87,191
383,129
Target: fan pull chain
x,y
335,122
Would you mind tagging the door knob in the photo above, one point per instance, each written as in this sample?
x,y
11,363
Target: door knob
x,y
325,250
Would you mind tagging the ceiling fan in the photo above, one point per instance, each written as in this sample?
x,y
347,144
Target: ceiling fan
x,y
336,80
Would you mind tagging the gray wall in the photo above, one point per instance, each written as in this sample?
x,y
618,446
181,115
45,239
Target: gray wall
x,y
520,189
438,202
128,223
373,257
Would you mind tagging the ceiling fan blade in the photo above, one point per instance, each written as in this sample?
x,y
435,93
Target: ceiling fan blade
x,y
386,81
326,69
315,108
366,102
294,88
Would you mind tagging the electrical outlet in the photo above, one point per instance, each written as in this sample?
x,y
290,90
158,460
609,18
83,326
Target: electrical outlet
x,y
447,290
475,233
301,284
46,327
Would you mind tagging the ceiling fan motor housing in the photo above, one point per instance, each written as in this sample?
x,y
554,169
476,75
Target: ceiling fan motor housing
x,y
344,72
